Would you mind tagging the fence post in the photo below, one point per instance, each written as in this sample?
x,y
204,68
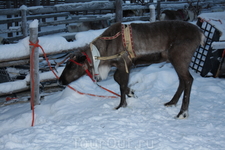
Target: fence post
x,y
34,63
152,13
158,8
23,9
8,5
119,11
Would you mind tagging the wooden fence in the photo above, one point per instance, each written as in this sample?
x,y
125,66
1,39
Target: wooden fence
x,y
13,22
63,15
17,27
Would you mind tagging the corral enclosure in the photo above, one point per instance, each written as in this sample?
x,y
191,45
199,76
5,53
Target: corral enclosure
x,y
70,18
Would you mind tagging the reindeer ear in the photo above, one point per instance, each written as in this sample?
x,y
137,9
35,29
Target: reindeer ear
x,y
81,58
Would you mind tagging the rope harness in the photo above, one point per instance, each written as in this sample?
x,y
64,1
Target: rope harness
x,y
127,39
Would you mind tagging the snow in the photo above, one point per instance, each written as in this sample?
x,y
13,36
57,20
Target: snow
x,y
49,44
34,24
151,7
217,19
23,7
68,120
218,45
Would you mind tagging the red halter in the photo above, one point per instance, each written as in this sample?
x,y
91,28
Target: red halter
x,y
84,66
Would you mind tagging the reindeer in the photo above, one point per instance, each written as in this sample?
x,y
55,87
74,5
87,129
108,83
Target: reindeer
x,y
173,41
189,13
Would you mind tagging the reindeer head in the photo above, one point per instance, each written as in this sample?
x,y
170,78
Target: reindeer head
x,y
74,68
196,9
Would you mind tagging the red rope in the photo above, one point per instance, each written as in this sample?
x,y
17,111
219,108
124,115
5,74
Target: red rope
x,y
90,75
35,45
88,59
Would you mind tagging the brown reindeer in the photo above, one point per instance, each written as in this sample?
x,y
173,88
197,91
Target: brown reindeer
x,y
173,41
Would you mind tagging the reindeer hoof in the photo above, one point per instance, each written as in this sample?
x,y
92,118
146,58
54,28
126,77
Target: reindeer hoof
x,y
131,94
170,104
182,115
121,105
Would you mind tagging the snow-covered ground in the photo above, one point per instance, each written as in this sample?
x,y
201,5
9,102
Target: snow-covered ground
x,y
68,120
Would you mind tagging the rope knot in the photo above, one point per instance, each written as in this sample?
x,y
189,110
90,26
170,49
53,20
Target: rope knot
x,y
35,44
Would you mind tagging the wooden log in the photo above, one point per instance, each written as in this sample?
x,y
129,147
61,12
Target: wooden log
x,y
152,13
119,11
143,18
34,63
4,61
10,30
67,21
85,6
18,19
10,11
14,63
134,7
24,21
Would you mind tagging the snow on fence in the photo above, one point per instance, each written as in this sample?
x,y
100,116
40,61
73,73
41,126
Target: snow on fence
x,y
62,15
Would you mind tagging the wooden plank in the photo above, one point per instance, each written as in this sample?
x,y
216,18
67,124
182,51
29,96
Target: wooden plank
x,y
143,18
14,63
52,32
32,17
43,24
86,6
14,91
134,7
74,7
9,20
10,30
14,11
42,10
4,61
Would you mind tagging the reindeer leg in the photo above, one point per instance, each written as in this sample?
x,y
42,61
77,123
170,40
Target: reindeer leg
x,y
122,78
177,94
188,80
180,60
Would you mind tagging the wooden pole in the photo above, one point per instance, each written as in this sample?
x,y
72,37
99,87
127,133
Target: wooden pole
x,y
158,8
24,20
119,11
34,63
152,13
8,5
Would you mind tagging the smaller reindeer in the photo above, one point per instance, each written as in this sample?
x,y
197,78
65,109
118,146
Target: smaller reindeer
x,y
189,13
